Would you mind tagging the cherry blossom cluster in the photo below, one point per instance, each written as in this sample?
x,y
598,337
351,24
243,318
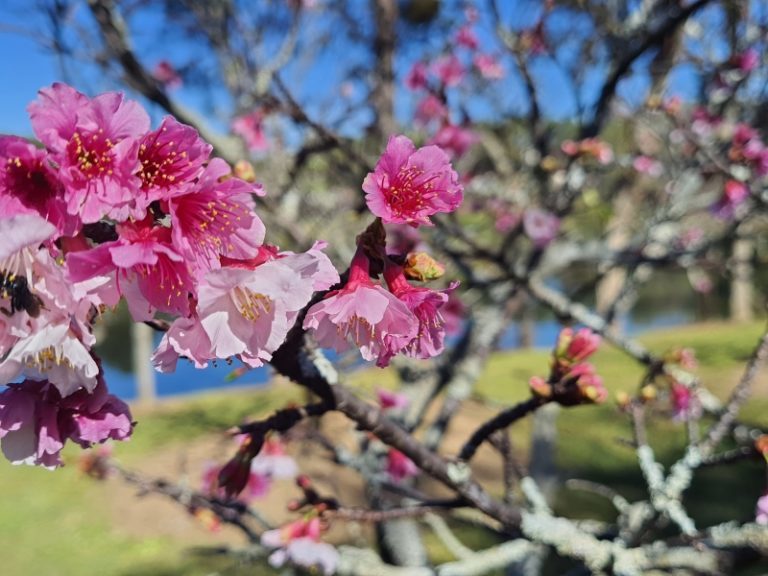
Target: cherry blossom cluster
x,y
407,186
571,380
111,209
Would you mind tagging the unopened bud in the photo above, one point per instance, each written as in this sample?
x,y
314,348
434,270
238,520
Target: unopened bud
x,y
622,399
245,171
422,267
540,387
648,393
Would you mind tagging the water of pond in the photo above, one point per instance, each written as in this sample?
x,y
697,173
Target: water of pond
x,y
186,379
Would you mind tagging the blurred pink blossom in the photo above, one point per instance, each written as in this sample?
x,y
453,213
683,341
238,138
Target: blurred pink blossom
x,y
165,73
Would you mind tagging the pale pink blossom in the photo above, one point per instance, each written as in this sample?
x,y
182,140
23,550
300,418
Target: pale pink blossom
x,y
399,466
95,144
409,185
185,338
166,73
360,312
425,304
649,166
761,512
53,353
246,313
36,422
246,308
456,140
540,226
299,543
449,70
250,127
489,66
430,108
256,487
273,461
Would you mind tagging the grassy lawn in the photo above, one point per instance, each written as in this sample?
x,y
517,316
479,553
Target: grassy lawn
x,y
55,523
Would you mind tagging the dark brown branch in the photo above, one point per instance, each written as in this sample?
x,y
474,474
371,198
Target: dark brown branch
x,y
113,31
624,65
285,419
499,422
229,512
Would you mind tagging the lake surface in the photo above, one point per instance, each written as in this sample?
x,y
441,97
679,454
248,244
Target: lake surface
x,y
186,379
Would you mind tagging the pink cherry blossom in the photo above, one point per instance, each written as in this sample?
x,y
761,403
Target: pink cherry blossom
x,y
649,166
425,305
185,338
430,108
685,405
247,313
95,144
746,61
216,217
143,258
449,70
273,461
299,543
165,73
360,312
416,79
250,127
409,185
36,422
735,193
172,158
53,353
467,38
454,312
588,384
256,487
576,346
540,226
391,400
761,513
399,466
28,185
246,308
489,66
456,140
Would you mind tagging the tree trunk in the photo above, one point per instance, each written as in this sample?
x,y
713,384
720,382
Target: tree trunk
x,y
742,290
141,351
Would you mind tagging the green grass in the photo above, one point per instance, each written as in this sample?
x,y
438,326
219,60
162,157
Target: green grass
x,y
54,523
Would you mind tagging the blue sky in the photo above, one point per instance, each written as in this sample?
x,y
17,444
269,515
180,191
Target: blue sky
x,y
27,67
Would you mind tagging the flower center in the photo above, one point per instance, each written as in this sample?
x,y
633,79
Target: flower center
x,y
251,305
407,193
91,153
28,181
160,162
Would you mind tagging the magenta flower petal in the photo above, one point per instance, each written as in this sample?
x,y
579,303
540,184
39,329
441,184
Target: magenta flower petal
x,y
409,185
